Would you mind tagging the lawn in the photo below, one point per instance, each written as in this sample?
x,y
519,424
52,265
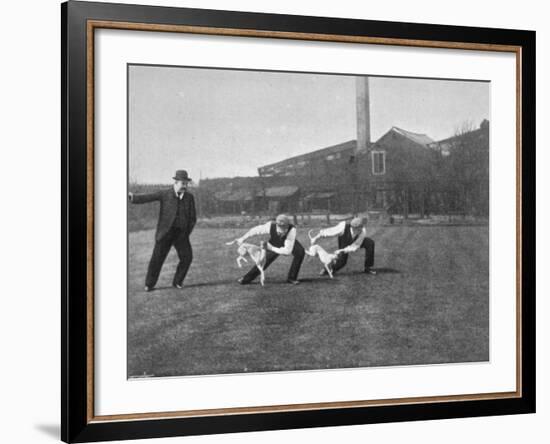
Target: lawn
x,y
428,304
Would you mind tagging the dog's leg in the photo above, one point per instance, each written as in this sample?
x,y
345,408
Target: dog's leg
x,y
329,271
239,260
262,274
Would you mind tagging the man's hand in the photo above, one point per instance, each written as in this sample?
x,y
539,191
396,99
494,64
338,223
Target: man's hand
x,y
269,247
339,252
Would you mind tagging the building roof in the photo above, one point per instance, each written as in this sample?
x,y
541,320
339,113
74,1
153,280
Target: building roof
x,y
475,132
350,145
321,195
333,149
283,191
421,139
233,196
445,144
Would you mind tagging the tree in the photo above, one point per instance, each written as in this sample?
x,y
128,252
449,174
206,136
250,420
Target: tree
x,y
465,172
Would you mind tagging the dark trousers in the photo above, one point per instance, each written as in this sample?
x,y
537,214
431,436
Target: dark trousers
x,y
180,240
298,254
368,245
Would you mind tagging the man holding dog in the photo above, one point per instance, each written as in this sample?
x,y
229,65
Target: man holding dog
x,y
282,241
351,237
177,218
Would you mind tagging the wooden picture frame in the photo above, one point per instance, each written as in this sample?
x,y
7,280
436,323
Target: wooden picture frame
x,y
79,22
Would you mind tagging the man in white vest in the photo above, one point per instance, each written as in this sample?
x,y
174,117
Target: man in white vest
x,y
351,237
282,240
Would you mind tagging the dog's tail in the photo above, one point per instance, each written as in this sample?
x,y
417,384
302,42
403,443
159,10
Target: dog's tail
x,y
310,236
234,241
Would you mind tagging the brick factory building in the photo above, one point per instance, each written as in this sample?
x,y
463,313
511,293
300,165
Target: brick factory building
x,y
401,173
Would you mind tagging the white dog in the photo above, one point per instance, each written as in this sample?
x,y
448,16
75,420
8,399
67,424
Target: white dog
x,y
326,258
255,252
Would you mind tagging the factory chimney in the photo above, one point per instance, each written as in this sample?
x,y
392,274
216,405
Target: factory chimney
x,y
363,113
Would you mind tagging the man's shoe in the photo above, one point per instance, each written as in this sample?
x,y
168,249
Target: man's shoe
x,y
148,289
293,281
370,271
242,281
178,286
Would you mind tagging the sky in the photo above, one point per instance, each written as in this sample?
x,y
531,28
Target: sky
x,y
225,123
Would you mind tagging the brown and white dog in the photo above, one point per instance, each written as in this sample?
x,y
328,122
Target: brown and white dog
x,y
326,258
255,252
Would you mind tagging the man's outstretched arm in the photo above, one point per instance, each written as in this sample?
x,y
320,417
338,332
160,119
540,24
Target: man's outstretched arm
x,y
140,198
255,231
337,230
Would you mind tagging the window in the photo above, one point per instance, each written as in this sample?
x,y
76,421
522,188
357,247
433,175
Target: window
x,y
334,156
378,162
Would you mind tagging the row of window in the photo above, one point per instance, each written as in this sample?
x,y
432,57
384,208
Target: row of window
x,y
378,165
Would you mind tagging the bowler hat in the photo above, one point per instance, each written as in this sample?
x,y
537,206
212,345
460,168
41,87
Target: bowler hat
x,y
182,175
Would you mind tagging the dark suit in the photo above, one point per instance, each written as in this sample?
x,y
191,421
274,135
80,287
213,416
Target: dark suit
x,y
177,218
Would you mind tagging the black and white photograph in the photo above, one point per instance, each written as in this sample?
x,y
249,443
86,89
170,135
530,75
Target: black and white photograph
x,y
279,221
296,221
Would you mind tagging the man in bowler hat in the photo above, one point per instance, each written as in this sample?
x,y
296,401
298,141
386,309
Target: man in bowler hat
x,y
351,237
177,217
282,240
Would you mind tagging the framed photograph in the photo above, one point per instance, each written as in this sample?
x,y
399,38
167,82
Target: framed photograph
x,y
276,221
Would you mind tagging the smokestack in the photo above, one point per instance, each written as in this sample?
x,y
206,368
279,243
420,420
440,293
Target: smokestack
x,y
363,113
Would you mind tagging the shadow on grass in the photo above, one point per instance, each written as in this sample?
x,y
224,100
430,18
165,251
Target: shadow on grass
x,y
253,283
314,280
385,270
197,285
215,283
210,284
381,270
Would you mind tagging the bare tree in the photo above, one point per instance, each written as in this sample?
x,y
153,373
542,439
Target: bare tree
x,y
466,170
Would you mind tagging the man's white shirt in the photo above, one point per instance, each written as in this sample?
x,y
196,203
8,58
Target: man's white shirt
x,y
339,229
180,194
288,246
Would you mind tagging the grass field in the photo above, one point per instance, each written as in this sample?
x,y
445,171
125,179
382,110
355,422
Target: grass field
x,y
429,303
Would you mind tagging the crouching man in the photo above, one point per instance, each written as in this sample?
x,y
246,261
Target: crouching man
x,y
351,237
282,240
